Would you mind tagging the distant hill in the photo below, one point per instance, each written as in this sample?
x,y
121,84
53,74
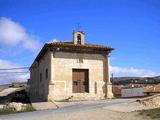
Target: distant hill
x,y
135,80
2,87
17,84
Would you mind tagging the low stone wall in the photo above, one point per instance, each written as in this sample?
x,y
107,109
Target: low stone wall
x,y
152,101
16,106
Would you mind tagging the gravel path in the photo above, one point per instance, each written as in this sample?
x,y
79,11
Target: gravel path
x,y
91,110
96,114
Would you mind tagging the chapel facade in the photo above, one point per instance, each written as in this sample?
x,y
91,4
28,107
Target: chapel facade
x,y
71,71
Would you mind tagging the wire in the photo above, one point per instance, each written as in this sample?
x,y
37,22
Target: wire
x,y
12,72
15,68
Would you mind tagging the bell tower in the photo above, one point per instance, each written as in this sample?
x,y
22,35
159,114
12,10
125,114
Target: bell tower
x,y
78,37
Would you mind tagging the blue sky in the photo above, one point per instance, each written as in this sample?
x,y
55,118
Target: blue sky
x,y
132,27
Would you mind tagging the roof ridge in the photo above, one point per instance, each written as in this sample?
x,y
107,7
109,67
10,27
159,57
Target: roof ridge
x,y
60,42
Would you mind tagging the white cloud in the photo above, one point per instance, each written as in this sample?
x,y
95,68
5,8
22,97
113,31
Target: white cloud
x,y
132,72
11,77
12,34
53,40
31,44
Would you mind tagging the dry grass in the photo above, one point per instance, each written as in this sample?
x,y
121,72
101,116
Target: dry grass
x,y
6,111
152,113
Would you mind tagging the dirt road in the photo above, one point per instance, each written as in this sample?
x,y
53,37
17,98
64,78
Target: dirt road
x,y
95,110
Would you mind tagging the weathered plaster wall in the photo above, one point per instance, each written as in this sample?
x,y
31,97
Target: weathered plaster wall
x,y
61,80
40,89
58,86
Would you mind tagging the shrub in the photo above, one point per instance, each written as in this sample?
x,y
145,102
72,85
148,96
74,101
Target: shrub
x,y
11,110
153,113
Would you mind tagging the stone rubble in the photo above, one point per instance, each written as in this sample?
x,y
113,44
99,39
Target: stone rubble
x,y
16,106
152,101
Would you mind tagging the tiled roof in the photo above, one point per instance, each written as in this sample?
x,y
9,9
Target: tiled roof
x,y
71,44
117,90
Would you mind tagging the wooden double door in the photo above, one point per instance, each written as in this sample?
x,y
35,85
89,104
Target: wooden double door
x,y
80,81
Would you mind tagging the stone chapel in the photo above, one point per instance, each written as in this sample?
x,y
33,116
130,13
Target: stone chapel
x,y
73,70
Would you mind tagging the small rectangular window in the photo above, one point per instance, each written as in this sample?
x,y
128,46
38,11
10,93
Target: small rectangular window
x,y
46,73
80,58
40,77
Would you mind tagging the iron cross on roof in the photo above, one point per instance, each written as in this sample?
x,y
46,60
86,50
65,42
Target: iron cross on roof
x,y
78,26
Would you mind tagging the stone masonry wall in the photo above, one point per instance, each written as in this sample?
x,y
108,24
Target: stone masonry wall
x,y
152,101
60,87
40,89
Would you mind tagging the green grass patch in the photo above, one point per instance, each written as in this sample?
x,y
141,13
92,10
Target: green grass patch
x,y
153,113
29,108
6,111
